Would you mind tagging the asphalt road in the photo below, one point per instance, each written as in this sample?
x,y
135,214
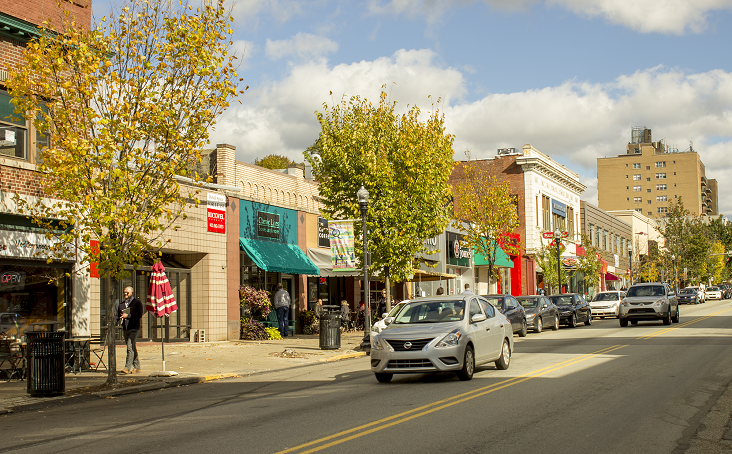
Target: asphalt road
x,y
599,389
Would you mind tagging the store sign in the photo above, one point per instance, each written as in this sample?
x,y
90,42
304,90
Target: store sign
x,y
559,208
461,250
323,233
268,225
12,280
31,245
216,212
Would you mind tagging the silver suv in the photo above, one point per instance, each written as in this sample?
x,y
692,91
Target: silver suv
x,y
649,301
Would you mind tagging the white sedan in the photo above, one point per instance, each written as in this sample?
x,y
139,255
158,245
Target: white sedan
x,y
714,293
607,304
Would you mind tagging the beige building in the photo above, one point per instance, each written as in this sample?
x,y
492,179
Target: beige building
x,y
651,175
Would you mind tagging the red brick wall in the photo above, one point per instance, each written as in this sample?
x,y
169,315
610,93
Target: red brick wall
x,y
10,51
21,181
36,11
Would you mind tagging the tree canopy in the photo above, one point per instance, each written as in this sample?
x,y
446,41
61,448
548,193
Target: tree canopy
x,y
403,161
128,105
274,161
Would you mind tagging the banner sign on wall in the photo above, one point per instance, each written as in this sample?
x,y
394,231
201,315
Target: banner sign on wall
x,y
323,233
216,212
268,225
342,254
19,244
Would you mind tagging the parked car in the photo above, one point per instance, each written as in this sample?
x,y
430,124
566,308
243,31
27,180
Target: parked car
x,y
649,301
726,290
378,326
442,334
689,295
573,309
508,306
700,295
714,293
607,304
540,312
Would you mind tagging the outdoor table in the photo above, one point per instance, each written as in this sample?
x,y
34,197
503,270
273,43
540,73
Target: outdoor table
x,y
78,346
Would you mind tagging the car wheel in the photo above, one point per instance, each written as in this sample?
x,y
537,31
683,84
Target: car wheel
x,y
539,325
505,359
383,378
556,323
522,332
667,318
573,321
676,317
466,373
623,322
589,320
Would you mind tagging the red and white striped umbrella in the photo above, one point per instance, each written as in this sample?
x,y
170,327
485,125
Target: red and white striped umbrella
x,y
160,299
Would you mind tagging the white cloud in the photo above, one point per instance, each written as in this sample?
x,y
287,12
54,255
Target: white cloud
x,y
574,123
302,45
247,12
646,16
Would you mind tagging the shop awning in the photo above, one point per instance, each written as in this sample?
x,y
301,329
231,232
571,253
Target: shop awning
x,y
278,257
610,277
424,276
502,259
321,258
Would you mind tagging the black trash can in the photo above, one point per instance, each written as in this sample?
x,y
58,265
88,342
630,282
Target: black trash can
x,y
330,328
45,352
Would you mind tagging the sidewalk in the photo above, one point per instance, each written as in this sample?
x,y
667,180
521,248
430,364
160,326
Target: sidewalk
x,y
194,363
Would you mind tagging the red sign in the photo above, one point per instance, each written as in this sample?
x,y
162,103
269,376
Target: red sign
x,y
216,212
549,235
94,266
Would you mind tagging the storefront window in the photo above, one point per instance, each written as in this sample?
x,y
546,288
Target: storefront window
x,y
30,294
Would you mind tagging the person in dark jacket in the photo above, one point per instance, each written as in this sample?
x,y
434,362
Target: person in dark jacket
x,y
129,314
381,307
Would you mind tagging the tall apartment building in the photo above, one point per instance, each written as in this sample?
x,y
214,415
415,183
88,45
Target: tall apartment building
x,y
651,175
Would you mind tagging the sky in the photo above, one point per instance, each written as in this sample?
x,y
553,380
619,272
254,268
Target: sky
x,y
570,77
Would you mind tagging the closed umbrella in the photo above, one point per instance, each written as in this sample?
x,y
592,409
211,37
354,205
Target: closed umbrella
x,y
160,299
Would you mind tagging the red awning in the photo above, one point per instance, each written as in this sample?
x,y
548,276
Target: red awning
x,y
611,277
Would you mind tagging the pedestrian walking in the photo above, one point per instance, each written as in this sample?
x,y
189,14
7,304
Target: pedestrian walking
x,y
129,314
282,306
467,290
440,291
345,315
381,306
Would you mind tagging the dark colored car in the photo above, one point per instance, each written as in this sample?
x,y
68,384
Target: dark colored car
x,y
573,309
508,306
540,312
689,296
726,291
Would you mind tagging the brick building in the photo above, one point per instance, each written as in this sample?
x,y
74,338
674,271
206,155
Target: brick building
x,y
612,237
651,175
548,196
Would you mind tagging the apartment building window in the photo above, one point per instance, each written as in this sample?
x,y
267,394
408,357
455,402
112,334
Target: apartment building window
x,y
660,187
570,221
622,247
636,165
660,176
661,164
648,179
662,210
648,190
650,213
648,167
605,242
649,201
637,200
546,205
639,210
661,198
13,131
636,177
636,189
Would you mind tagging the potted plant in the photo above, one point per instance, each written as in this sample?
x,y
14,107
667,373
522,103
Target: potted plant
x,y
255,303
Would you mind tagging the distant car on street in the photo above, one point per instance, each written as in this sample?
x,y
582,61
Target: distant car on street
x,y
540,312
689,296
714,293
700,296
508,306
573,309
607,304
649,301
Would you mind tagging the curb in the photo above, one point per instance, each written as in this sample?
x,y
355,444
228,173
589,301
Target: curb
x,y
344,356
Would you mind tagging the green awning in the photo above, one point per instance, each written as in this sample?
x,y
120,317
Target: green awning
x,y
502,258
278,257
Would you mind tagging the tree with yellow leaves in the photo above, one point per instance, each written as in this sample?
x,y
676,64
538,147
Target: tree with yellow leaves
x,y
128,105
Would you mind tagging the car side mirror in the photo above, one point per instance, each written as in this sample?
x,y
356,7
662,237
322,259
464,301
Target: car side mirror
x,y
545,305
388,320
384,315
477,318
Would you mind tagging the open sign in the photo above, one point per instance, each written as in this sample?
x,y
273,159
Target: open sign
x,y
12,280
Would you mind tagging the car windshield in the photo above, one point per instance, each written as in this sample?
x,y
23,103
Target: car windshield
x,y
528,301
395,309
431,312
606,297
687,291
561,300
646,290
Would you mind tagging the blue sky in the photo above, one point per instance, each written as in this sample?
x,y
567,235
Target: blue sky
x,y
570,77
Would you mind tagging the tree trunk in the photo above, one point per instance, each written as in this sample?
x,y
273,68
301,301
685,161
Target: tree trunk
x,y
387,283
112,285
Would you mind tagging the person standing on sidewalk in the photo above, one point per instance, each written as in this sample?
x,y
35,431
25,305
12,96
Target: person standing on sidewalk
x,y
129,312
282,306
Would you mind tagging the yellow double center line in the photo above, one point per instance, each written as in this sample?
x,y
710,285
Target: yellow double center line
x,y
681,325
381,424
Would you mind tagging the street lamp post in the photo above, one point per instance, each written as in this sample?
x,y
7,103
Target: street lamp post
x,y
363,203
558,240
630,256
673,261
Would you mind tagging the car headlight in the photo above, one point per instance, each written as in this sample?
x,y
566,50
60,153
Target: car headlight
x,y
530,315
376,329
659,302
451,340
376,343
624,304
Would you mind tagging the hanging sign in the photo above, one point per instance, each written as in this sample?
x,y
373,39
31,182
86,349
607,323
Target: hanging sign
x,y
323,233
216,212
342,255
